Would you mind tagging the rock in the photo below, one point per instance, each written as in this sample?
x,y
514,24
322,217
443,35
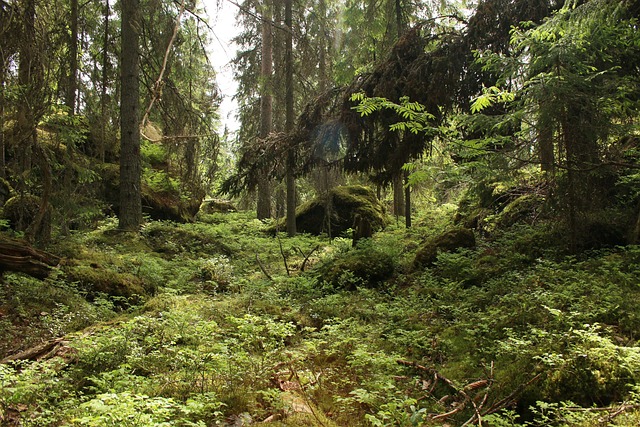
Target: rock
x,y
340,205
448,241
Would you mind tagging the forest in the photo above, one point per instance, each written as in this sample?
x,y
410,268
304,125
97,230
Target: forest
x,y
424,213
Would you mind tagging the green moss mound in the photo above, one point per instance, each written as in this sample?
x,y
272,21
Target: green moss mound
x,y
333,213
366,266
449,241
22,210
96,280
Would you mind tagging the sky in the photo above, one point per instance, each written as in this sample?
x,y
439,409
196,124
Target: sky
x,y
222,18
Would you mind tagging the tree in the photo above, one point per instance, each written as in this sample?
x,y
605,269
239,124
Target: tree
x,y
266,105
130,214
575,92
290,121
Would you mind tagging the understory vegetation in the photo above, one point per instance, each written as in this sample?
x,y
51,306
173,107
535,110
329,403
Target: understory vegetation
x,y
244,328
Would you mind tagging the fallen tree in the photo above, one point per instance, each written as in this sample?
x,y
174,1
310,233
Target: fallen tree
x,y
19,256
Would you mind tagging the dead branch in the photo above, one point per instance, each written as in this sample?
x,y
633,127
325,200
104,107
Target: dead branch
x,y
157,87
264,270
511,398
284,257
306,257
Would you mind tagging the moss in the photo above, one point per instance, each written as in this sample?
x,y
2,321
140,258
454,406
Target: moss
x,y
21,210
366,267
524,208
212,206
96,280
158,202
448,241
343,204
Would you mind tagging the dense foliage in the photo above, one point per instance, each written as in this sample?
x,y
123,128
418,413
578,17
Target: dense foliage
x,y
506,132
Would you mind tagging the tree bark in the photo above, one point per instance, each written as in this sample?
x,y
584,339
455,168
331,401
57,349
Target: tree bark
x,y
27,79
289,121
130,214
398,195
407,199
101,148
266,107
72,83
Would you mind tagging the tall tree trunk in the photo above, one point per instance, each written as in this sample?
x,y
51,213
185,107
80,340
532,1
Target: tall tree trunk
x,y
266,107
3,165
27,79
130,169
72,83
104,85
322,57
398,195
289,120
545,144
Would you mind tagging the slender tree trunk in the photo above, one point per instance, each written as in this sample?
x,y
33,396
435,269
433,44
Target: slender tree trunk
x,y
407,198
105,84
72,83
130,168
398,195
3,165
266,107
322,57
289,121
545,144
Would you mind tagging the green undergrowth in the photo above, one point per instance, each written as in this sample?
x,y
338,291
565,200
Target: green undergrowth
x,y
236,327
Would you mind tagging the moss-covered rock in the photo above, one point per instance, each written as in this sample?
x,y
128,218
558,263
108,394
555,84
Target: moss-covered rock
x,y
169,205
333,213
448,241
21,210
366,267
98,280
523,208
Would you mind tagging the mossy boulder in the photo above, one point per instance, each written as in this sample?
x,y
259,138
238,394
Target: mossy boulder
x,y
449,241
169,205
367,267
95,280
525,208
21,210
334,212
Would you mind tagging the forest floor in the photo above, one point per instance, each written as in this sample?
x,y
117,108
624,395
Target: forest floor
x,y
239,327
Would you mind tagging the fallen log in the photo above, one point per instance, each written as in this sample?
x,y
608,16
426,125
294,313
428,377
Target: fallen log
x,y
43,351
19,256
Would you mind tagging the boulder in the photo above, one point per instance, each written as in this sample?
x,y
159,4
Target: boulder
x,y
335,212
449,241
